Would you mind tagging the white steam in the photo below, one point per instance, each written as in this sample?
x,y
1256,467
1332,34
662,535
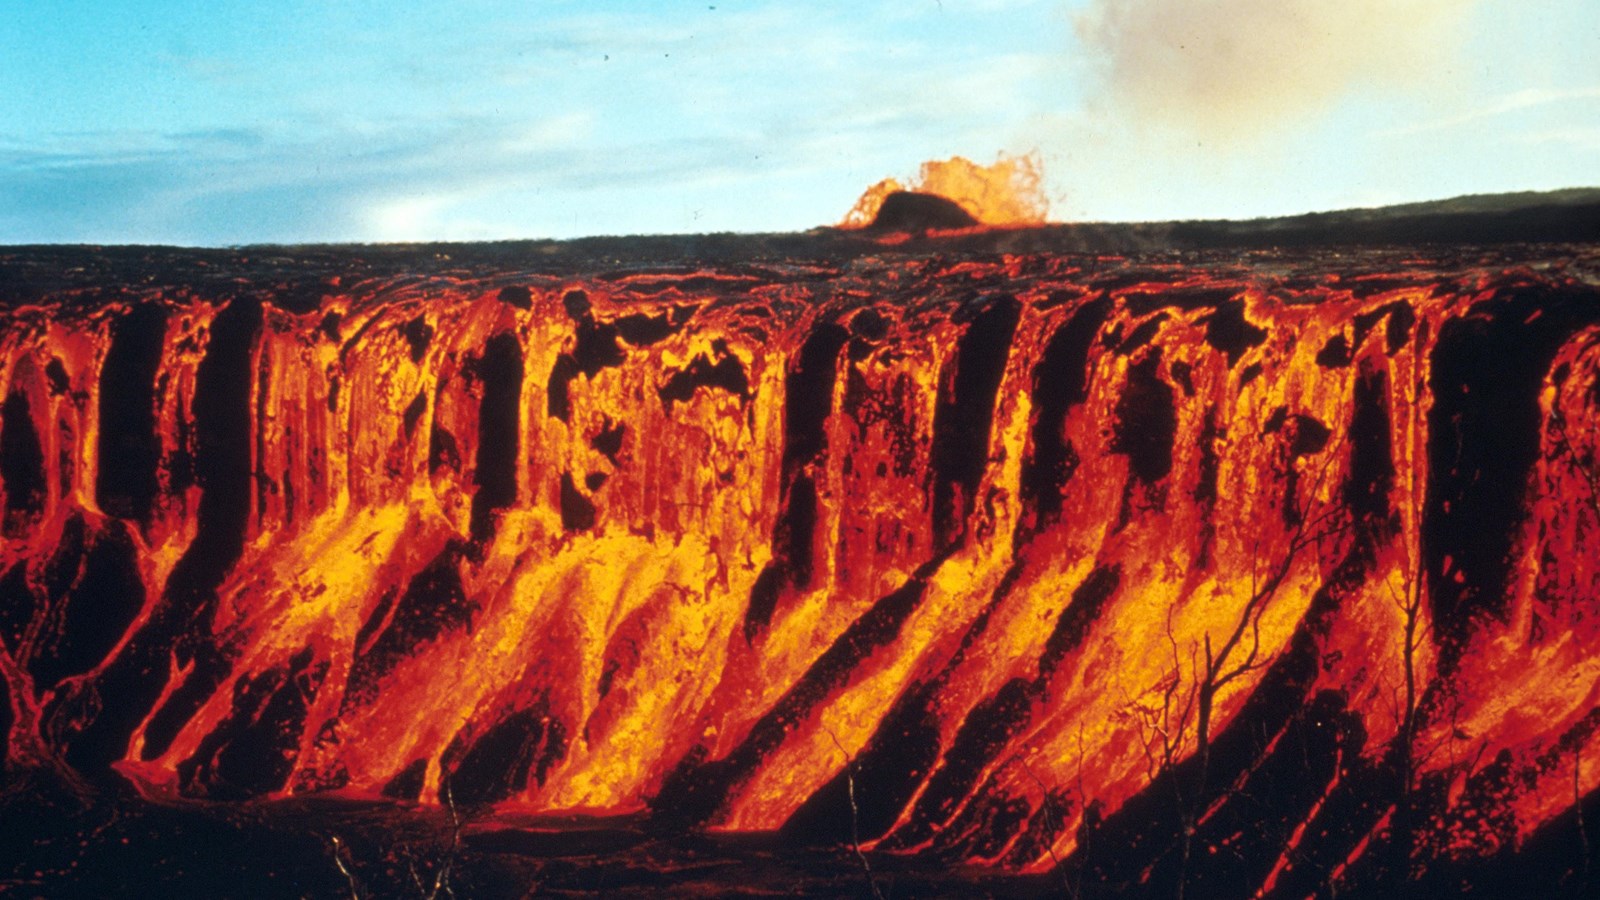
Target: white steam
x,y
1224,69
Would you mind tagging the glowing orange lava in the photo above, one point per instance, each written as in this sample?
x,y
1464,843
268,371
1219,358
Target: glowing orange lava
x,y
989,557
1008,192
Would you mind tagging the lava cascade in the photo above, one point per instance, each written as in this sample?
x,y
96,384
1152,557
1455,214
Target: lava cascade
x,y
977,557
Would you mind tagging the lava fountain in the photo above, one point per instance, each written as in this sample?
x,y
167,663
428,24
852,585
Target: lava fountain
x,y
1008,193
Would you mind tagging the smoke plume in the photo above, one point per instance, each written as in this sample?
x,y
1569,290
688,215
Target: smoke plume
x,y
1237,68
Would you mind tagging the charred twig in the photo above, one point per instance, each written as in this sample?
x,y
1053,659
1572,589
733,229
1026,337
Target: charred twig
x,y
26,744
1222,667
1409,602
441,875
1085,834
1577,806
340,854
1047,804
855,815
1587,473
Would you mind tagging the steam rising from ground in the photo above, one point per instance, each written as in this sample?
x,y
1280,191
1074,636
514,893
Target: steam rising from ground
x,y
1233,69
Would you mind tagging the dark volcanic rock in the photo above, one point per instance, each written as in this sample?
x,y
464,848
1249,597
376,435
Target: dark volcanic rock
x,y
914,211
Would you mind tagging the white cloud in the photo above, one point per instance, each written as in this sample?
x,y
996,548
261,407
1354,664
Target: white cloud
x,y
1518,101
1580,138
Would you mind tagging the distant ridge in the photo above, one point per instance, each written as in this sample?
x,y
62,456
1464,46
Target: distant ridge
x,y
1474,203
1570,216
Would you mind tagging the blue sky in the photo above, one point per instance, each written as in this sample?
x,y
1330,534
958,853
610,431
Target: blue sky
x,y
222,122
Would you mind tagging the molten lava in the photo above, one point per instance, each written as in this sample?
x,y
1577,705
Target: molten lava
x,y
1004,559
1009,192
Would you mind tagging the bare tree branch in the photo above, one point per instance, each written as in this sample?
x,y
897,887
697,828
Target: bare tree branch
x,y
340,854
855,831
1577,805
1047,804
1590,477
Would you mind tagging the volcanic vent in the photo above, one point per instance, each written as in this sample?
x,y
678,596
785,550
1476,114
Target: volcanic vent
x,y
916,211
955,193
1252,577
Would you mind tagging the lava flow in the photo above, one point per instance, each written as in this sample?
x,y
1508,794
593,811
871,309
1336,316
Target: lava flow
x,y
1251,576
